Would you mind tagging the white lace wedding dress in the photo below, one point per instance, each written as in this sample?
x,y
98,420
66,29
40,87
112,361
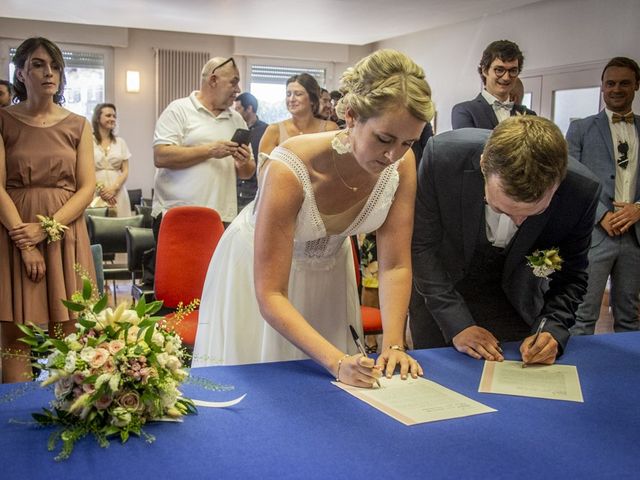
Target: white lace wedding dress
x,y
322,285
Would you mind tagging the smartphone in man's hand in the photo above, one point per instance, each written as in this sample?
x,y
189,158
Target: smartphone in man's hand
x,y
241,136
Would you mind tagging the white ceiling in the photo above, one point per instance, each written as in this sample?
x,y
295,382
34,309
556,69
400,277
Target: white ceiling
x,y
354,22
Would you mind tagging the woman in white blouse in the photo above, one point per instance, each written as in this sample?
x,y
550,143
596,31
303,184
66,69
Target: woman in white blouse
x,y
111,156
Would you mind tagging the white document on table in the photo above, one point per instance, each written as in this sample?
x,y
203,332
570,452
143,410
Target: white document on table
x,y
416,400
555,382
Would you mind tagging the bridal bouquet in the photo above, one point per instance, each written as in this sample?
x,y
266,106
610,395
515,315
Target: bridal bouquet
x,y
119,370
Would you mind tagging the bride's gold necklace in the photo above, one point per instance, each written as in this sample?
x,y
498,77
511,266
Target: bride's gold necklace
x,y
335,166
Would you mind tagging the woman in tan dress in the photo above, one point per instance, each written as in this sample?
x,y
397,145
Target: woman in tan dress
x,y
46,169
303,103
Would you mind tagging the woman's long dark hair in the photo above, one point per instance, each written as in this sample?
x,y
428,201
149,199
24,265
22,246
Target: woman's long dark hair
x,y
23,53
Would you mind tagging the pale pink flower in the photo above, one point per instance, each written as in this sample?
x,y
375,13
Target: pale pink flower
x,y
100,356
88,387
115,346
109,366
129,400
103,402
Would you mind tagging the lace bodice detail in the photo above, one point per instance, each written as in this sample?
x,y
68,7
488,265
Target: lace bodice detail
x,y
311,242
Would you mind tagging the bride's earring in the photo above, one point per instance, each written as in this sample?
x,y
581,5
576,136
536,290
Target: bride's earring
x,y
342,147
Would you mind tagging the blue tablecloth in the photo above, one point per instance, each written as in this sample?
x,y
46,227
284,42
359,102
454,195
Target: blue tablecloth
x,y
295,424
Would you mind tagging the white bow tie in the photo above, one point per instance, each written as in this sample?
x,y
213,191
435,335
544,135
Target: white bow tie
x,y
506,105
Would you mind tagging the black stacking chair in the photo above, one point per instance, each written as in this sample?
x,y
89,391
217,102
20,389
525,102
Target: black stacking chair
x,y
139,240
135,197
110,232
145,211
98,212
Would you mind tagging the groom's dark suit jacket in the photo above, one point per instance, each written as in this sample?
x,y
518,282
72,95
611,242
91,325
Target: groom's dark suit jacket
x,y
477,113
449,213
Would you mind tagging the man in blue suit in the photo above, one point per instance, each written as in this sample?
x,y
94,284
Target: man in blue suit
x,y
500,65
485,202
608,144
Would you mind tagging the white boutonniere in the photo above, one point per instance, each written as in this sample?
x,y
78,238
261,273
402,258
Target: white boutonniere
x,y
545,262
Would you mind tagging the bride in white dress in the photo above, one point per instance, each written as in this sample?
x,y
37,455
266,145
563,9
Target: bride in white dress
x,y
281,283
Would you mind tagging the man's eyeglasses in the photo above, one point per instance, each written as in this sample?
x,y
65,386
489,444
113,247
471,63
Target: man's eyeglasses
x,y
500,71
229,60
623,150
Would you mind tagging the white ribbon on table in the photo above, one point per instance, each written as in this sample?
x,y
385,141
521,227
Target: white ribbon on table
x,y
230,403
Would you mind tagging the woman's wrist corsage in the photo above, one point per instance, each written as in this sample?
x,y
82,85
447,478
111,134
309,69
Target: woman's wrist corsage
x,y
99,186
53,228
545,262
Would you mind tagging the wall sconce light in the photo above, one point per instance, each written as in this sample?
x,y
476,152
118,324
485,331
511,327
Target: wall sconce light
x,y
133,81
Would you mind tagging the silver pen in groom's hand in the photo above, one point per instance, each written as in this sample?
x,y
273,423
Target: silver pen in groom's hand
x,y
358,343
535,337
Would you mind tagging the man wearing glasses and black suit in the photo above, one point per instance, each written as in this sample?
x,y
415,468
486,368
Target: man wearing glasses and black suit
x,y
607,143
499,68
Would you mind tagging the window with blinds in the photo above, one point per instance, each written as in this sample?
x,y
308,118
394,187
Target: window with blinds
x,y
278,75
85,74
268,85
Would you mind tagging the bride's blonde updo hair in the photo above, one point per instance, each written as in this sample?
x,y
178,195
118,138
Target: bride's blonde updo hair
x,y
383,80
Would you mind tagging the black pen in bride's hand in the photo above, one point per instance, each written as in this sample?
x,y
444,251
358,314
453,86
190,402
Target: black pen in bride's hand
x,y
358,343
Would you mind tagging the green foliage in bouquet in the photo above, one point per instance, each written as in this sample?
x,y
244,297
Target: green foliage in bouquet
x,y
119,370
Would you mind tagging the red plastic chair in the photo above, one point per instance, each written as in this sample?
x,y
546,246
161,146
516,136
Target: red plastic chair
x,y
371,317
187,239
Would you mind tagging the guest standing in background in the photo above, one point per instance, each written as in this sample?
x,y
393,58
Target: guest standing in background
x,y
6,92
196,161
111,157
303,103
47,170
247,106
608,144
500,65
324,111
335,96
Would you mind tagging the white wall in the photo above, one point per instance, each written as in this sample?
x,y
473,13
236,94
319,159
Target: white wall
x,y
551,33
133,49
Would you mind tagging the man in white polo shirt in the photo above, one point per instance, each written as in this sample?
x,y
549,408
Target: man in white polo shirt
x,y
196,162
